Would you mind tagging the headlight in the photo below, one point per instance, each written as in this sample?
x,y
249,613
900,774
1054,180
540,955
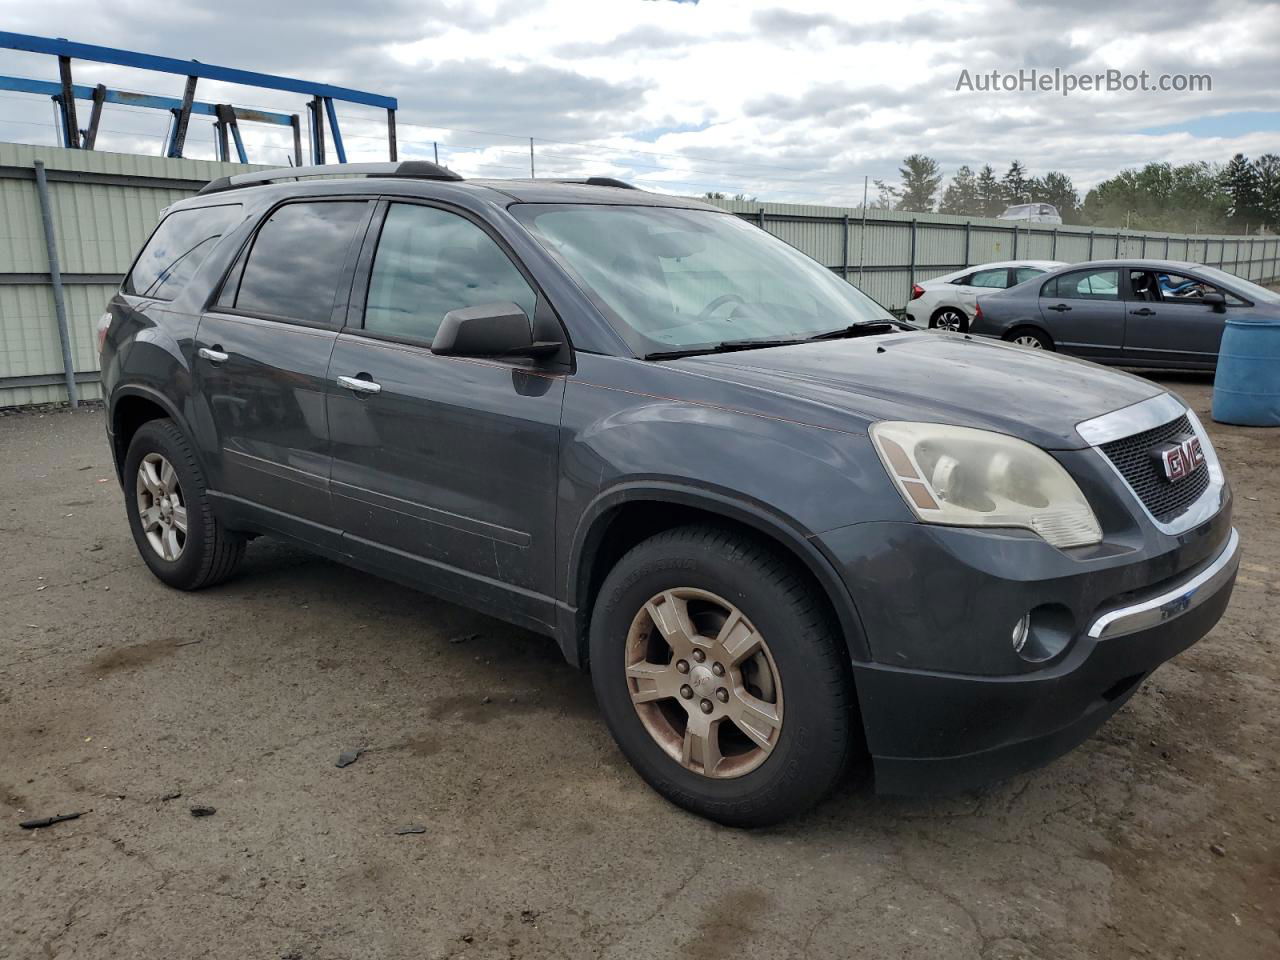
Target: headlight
x,y
975,478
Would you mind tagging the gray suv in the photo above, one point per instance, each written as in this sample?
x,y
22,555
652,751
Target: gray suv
x,y
784,533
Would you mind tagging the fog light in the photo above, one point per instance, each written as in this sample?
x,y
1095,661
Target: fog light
x,y
1021,630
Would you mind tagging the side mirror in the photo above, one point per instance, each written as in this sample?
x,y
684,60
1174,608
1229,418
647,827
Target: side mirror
x,y
489,330
1216,300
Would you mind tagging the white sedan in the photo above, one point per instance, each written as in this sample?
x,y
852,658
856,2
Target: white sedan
x,y
947,302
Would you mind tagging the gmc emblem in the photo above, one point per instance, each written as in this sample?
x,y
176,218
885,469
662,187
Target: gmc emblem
x,y
1179,459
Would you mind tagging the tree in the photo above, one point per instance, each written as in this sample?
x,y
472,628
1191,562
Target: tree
x,y
1240,181
989,199
1184,199
1015,186
961,196
1057,188
920,180
887,197
1267,168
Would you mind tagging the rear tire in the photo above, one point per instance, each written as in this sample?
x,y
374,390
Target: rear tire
x,y
950,318
773,722
1030,338
170,513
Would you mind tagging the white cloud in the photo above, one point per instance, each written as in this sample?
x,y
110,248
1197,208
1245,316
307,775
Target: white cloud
x,y
785,100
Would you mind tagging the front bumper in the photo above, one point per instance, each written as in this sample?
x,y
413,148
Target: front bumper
x,y
933,729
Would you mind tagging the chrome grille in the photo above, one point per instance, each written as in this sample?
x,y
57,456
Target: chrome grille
x,y
1132,456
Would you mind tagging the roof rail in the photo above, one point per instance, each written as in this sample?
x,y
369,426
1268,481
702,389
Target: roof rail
x,y
417,169
602,182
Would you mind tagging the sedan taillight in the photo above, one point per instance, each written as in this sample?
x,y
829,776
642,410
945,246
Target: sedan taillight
x,y
917,291
977,312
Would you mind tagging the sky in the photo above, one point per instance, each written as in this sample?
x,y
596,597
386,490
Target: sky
x,y
786,101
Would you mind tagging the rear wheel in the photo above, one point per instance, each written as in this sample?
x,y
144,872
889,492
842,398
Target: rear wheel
x,y
721,676
170,513
1030,337
950,318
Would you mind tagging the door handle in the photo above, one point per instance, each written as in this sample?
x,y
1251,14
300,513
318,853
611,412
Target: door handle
x,y
1144,312
212,354
360,385
1060,307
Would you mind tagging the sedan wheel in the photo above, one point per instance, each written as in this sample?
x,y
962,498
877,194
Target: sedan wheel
x,y
161,510
950,319
704,683
1029,340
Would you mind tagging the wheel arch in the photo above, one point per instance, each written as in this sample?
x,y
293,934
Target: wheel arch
x,y
623,517
131,407
1030,327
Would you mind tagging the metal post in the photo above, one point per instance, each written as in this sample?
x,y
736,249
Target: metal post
x,y
844,263
968,225
296,123
59,121
221,111
391,135
1090,256
1053,244
1166,247
862,234
1144,246
68,104
760,219
911,281
317,131
55,276
1015,241
183,115
435,149
95,114
334,131
532,174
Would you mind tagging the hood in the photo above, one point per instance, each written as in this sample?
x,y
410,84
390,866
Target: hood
x,y
939,378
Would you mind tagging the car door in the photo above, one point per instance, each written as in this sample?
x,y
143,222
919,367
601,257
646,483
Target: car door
x,y
444,468
262,363
1169,322
1084,312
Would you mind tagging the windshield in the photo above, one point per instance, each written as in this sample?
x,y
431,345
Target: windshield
x,y
1240,285
677,279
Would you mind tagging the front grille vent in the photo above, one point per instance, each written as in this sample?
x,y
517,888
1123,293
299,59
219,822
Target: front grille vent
x,y
1134,457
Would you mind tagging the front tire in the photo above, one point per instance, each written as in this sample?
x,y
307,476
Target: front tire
x,y
170,513
721,676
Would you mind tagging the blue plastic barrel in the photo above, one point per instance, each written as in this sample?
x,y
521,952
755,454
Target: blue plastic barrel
x,y
1246,388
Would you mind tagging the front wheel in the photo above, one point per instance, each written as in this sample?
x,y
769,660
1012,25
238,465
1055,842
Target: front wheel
x,y
721,676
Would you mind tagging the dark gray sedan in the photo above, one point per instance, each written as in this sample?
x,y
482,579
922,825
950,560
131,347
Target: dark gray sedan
x,y
1138,313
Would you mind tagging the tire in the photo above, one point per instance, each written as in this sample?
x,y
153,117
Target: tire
x,y
206,553
1030,337
704,567
950,318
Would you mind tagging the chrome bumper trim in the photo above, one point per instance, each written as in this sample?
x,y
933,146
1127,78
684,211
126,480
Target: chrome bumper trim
x,y
1174,602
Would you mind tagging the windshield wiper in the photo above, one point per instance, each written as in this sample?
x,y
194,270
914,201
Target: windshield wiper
x,y
861,329
724,346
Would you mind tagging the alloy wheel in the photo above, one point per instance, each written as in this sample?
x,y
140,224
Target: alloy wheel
x,y
949,320
1029,340
161,509
704,683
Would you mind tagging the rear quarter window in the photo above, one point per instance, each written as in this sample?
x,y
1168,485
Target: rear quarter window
x,y
181,243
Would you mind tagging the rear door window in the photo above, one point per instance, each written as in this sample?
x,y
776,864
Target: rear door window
x,y
990,278
1023,274
1085,285
177,249
296,262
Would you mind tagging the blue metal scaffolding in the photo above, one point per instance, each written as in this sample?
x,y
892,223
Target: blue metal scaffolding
x,y
226,117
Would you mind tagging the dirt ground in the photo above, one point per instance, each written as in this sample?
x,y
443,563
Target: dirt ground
x,y
1157,838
